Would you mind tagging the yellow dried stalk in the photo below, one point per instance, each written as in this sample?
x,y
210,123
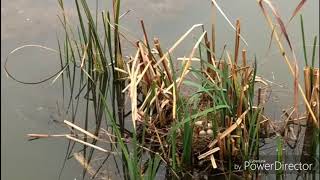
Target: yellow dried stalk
x,y
80,129
213,162
307,82
45,135
208,153
187,66
88,144
177,43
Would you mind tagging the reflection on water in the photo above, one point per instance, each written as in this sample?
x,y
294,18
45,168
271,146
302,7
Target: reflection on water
x,y
27,109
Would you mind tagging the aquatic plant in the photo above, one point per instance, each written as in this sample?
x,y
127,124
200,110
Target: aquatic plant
x,y
199,114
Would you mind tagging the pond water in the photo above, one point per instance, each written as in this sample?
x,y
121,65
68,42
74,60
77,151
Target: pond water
x,y
31,109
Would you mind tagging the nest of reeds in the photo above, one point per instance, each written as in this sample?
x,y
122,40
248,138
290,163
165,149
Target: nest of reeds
x,y
154,91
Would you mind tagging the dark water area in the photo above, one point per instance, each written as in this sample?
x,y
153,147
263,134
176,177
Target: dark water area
x,y
32,109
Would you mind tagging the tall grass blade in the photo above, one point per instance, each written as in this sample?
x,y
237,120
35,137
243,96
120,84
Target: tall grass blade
x,y
303,42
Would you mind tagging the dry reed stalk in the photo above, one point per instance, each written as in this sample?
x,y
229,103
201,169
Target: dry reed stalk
x,y
143,62
88,144
165,61
237,44
146,60
147,41
229,59
186,68
307,83
244,58
134,95
316,78
133,65
174,104
135,79
208,153
244,65
283,52
80,129
315,97
210,54
207,44
37,136
213,162
177,43
84,55
186,59
227,19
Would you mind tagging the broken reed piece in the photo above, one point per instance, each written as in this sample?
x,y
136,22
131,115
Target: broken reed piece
x,y
38,136
146,41
88,144
80,129
165,61
213,162
208,153
237,44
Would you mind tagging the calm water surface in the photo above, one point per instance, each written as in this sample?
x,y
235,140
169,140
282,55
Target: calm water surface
x,y
31,109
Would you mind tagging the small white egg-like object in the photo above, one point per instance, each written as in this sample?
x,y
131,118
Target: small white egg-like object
x,y
209,125
202,133
209,132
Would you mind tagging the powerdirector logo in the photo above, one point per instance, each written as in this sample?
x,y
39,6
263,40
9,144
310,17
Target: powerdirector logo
x,y
261,165
271,165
